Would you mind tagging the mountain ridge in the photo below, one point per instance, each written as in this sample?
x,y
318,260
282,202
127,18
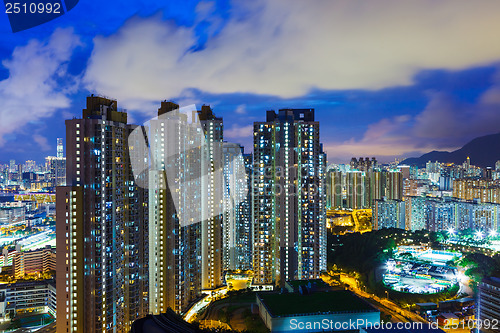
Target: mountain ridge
x,y
483,151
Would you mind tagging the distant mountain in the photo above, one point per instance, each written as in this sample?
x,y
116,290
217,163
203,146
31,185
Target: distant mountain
x,y
483,152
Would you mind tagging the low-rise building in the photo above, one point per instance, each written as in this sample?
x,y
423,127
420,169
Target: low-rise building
x,y
19,297
338,310
36,261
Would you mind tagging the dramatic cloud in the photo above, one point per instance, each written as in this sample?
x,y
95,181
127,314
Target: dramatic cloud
x,y
445,124
34,88
286,47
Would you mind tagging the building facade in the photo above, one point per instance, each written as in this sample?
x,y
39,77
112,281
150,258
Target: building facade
x,y
35,261
481,189
56,168
488,305
288,198
27,296
389,214
437,214
100,225
185,216
357,189
237,254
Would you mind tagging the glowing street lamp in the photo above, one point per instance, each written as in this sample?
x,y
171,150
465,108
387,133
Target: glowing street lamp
x,y
493,233
451,231
479,235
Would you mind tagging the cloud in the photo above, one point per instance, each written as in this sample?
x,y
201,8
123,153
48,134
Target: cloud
x,y
237,132
287,47
34,88
42,142
444,124
241,109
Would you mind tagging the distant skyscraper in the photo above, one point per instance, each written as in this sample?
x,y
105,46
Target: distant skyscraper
x,y
334,189
437,214
237,209
415,210
389,214
483,189
362,187
30,166
60,148
357,190
394,185
56,167
13,167
289,231
101,229
363,164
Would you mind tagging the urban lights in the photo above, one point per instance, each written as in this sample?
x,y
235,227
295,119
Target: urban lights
x,y
391,265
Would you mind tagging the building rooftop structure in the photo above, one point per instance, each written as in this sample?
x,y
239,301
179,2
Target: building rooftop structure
x,y
291,304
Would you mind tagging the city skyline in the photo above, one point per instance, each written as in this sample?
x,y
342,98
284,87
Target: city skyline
x,y
123,237
377,90
245,166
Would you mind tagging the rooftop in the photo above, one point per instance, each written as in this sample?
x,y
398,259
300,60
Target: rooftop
x,y
289,304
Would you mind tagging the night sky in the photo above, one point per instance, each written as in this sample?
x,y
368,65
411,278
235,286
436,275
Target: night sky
x,y
389,79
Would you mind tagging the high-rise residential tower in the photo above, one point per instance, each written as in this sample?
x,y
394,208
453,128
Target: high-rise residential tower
x,y
175,248
289,222
362,188
185,217
388,213
237,228
101,232
212,199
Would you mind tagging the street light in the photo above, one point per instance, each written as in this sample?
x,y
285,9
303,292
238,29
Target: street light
x,y
493,233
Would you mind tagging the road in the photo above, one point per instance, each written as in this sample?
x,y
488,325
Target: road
x,y
398,314
390,308
203,303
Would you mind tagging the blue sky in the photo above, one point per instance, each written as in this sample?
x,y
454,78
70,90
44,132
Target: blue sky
x,y
387,78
